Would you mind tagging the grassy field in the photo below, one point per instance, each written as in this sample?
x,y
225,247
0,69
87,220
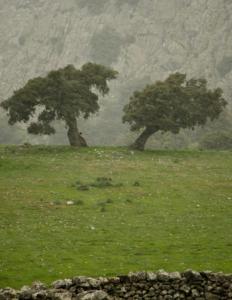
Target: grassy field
x,y
163,209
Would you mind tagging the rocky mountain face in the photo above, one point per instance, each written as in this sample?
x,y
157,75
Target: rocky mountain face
x,y
144,40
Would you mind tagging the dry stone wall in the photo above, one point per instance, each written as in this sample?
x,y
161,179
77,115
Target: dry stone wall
x,y
142,285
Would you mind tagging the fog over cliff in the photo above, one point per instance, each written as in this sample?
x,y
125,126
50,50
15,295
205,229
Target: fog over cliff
x,y
144,40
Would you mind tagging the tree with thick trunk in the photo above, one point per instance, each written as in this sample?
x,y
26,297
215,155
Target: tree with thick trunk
x,y
170,105
74,136
141,140
64,94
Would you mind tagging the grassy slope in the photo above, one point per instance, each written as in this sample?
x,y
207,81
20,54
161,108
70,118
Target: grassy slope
x,y
179,217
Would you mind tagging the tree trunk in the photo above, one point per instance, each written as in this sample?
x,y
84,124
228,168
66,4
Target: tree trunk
x,y
74,136
140,142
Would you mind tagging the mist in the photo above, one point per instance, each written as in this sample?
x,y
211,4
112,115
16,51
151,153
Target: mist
x,y
143,40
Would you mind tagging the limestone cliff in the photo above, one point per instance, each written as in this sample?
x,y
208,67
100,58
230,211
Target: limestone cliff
x,y
144,40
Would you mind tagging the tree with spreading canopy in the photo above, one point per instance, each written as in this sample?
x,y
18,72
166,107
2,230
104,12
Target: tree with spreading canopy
x,y
64,94
170,105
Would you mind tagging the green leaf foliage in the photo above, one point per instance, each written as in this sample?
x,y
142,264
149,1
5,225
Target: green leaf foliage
x,y
63,94
173,104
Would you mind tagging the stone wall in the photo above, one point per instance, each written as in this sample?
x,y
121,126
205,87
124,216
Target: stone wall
x,y
141,285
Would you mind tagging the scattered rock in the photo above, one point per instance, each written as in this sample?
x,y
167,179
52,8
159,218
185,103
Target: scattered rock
x,y
8,294
37,285
93,295
26,293
43,294
62,284
61,295
137,276
151,276
114,280
192,275
162,275
210,296
83,281
175,276
70,203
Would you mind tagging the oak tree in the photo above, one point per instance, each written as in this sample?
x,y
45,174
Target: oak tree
x,y
64,94
170,105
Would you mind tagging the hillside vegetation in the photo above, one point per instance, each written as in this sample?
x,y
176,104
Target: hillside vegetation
x,y
106,211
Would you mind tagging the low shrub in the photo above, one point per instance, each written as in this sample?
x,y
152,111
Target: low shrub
x,y
83,187
100,182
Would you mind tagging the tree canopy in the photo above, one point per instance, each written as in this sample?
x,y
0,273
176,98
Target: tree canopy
x,y
64,94
170,105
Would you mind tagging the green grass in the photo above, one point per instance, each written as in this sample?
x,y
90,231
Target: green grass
x,y
172,211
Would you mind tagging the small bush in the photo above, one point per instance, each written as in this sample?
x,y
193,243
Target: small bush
x,y
78,182
83,187
102,182
78,202
104,204
103,209
176,161
217,141
109,201
129,201
56,202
